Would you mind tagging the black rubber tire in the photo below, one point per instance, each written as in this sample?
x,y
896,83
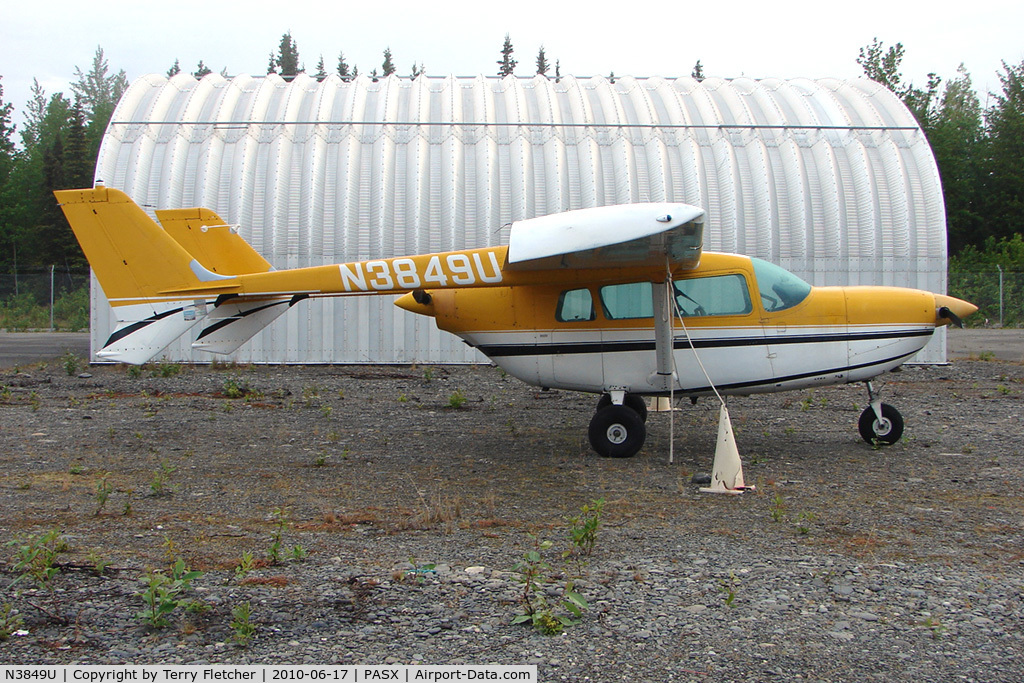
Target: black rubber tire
x,y
886,432
634,401
617,432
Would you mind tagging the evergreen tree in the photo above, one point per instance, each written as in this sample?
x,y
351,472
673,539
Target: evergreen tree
x,y
698,72
558,70
272,64
79,165
417,71
343,68
7,157
956,137
99,93
542,63
388,67
174,70
201,70
6,135
507,65
321,70
1003,165
287,61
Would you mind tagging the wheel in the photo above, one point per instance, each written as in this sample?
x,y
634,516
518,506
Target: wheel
x,y
634,401
887,431
617,432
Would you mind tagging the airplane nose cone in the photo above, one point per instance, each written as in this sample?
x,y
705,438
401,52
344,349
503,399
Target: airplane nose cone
x,y
949,309
417,302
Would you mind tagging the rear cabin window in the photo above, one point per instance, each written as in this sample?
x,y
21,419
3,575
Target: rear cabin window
x,y
575,305
715,295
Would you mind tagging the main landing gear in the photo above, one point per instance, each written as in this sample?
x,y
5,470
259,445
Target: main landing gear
x,y
880,423
618,431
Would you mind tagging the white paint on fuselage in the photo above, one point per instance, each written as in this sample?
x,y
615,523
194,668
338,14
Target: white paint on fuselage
x,y
738,360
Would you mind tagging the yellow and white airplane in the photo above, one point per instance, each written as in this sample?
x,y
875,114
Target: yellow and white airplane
x,y
619,301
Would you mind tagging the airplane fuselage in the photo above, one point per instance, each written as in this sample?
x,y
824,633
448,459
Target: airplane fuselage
x,y
594,332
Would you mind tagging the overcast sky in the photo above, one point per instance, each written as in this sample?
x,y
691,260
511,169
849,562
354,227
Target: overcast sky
x,y
787,38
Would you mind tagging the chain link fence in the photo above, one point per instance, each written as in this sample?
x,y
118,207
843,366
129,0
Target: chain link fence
x,y
999,297
44,299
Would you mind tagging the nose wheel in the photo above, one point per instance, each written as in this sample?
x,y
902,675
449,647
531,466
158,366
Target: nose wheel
x,y
880,423
617,431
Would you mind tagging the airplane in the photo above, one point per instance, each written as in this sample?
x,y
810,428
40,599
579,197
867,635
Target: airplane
x,y
620,301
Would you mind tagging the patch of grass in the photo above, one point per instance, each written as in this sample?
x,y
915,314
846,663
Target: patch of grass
x,y
457,399
242,624
161,595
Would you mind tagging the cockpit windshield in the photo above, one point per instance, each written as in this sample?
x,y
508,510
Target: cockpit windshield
x,y
779,288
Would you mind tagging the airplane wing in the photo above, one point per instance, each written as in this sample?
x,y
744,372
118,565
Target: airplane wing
x,y
627,234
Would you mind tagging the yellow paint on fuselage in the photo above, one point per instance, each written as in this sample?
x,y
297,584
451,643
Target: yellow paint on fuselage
x,y
525,305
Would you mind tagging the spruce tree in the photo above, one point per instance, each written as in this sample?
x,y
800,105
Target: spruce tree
x,y
287,61
1003,169
321,70
507,65
698,72
78,164
388,67
174,70
542,63
956,139
201,70
98,92
343,69
6,135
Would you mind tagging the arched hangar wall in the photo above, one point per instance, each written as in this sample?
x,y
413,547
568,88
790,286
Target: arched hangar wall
x,y
831,179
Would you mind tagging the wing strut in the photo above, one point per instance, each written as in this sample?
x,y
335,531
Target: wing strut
x,y
727,470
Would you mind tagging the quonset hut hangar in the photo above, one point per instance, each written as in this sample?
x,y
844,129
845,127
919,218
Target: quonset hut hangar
x,y
831,179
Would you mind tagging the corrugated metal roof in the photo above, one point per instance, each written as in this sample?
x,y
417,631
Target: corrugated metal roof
x,y
831,179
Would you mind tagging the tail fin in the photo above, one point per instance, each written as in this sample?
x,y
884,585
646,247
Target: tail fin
x,y
157,289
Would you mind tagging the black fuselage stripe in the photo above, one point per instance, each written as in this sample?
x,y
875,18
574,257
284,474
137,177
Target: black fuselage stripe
x,y
793,378
573,348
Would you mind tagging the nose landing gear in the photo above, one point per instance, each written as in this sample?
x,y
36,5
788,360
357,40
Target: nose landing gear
x,y
880,423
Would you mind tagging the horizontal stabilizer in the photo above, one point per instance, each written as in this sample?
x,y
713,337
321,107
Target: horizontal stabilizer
x,y
216,245
235,321
144,330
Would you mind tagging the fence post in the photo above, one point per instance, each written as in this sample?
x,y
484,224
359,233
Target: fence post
x,y
1000,294
51,296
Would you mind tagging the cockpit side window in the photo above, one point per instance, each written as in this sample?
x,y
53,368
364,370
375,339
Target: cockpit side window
x,y
575,305
779,288
713,295
717,295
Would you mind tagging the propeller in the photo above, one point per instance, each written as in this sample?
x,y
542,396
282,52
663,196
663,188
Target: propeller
x,y
945,312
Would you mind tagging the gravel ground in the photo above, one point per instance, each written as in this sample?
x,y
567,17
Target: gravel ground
x,y
398,520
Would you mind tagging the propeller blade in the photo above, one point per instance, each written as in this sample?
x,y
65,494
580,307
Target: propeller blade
x,y
945,312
